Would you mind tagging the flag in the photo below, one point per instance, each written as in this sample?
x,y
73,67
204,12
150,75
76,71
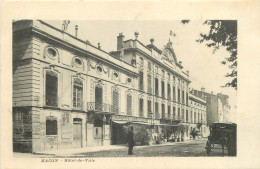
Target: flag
x,y
172,33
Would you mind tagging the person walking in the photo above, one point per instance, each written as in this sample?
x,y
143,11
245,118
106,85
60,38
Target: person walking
x,y
130,140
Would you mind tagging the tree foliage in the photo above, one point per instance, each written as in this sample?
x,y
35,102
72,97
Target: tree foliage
x,y
223,33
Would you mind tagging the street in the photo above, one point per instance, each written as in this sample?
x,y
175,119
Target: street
x,y
189,148
182,149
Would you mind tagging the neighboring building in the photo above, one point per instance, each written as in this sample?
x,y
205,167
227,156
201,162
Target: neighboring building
x,y
162,86
214,106
225,107
198,113
68,93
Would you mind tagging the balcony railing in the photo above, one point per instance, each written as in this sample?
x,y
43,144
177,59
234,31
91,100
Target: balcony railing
x,y
51,101
78,105
93,106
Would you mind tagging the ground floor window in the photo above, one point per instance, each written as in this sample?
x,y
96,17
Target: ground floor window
x,y
51,125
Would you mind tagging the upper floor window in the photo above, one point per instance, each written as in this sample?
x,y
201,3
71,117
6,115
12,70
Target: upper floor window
x,y
141,107
169,77
51,90
187,116
163,94
149,83
149,66
129,104
163,111
156,69
173,78
141,80
115,101
156,86
174,93
77,94
149,107
169,91
169,112
163,73
157,115
141,61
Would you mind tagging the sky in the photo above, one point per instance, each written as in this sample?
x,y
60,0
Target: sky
x,y
204,66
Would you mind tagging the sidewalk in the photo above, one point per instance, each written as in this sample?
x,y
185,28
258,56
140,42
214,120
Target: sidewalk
x,y
69,152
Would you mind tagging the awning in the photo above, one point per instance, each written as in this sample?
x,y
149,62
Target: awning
x,y
136,122
120,122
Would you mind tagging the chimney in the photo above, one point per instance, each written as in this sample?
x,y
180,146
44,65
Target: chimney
x,y
120,40
180,62
76,31
211,92
188,72
152,40
99,46
136,35
203,89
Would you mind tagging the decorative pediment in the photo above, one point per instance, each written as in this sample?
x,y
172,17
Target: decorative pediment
x,y
169,54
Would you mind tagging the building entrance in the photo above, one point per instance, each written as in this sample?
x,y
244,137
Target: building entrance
x,y
77,133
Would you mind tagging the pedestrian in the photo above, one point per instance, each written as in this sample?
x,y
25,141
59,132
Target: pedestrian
x,y
130,140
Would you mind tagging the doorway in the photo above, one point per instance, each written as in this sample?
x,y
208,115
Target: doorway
x,y
77,133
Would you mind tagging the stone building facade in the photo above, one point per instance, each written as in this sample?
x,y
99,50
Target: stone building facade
x,y
198,114
68,93
214,106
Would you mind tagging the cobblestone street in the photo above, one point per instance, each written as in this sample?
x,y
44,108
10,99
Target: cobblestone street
x,y
189,148
179,149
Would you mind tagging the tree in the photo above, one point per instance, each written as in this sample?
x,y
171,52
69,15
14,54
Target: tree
x,y
223,33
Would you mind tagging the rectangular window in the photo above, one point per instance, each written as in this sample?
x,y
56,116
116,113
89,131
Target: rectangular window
x,y
169,112
51,126
156,87
187,99
157,115
182,114
169,91
179,93
174,93
187,116
169,77
141,80
51,89
98,98
77,94
149,107
179,113
149,83
182,94
141,107
129,104
195,120
163,111
115,101
163,94
173,79
191,119
174,113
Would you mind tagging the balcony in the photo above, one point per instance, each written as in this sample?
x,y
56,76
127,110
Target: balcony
x,y
51,101
99,107
78,105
